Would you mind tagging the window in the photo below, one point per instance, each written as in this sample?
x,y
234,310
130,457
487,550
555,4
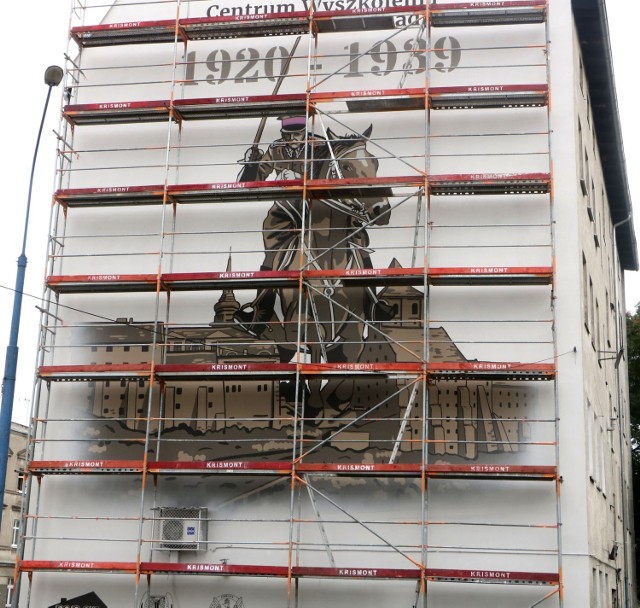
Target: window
x,y
581,167
15,533
581,76
597,325
9,593
20,483
585,292
602,486
590,441
603,206
607,327
591,309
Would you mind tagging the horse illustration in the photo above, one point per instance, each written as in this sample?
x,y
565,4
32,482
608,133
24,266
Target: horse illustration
x,y
329,318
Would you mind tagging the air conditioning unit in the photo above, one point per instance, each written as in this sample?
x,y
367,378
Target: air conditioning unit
x,y
180,528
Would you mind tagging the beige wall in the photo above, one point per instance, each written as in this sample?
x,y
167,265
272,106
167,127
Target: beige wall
x,y
12,504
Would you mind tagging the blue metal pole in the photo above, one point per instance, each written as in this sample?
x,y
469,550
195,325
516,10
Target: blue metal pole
x,y
53,76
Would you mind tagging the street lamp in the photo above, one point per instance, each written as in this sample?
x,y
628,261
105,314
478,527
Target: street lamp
x,y
52,78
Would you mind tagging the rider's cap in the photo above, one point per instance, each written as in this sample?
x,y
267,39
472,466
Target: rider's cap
x,y
293,123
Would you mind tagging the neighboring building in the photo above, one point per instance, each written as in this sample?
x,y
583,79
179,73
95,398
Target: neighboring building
x,y
11,509
335,310
87,600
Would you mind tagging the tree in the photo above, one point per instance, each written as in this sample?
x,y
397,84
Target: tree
x,y
633,362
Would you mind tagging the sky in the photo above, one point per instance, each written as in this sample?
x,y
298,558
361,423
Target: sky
x,y
35,36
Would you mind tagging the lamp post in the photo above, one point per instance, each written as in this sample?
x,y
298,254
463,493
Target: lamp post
x,y
52,78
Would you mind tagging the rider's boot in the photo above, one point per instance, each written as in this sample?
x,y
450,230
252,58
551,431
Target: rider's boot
x,y
253,317
382,311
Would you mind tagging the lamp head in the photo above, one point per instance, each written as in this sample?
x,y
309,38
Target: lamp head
x,y
53,75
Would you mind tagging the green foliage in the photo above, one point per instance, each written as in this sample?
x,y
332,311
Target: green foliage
x,y
633,362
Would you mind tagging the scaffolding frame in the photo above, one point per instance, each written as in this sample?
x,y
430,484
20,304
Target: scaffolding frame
x,y
157,371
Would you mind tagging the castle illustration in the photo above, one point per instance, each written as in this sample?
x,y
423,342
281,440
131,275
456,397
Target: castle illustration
x,y
466,418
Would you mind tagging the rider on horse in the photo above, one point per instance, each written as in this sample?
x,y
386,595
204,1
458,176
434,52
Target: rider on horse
x,y
284,221
286,157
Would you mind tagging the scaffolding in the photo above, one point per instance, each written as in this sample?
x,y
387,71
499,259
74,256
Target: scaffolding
x,y
394,417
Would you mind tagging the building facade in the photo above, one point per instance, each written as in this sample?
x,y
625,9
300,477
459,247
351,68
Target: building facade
x,y
12,509
335,310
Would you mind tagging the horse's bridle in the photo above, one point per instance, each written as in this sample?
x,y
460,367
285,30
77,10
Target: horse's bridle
x,y
357,210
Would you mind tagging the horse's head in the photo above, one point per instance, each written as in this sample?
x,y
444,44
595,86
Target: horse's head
x,y
353,160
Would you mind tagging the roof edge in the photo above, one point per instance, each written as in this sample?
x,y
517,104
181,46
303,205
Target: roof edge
x,y
593,35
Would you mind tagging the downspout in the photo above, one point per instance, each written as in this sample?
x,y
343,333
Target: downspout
x,y
622,424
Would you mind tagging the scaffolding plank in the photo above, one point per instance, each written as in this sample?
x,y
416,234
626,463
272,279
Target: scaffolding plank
x,y
369,276
230,279
300,22
103,283
477,370
239,26
240,106
279,571
118,112
361,369
491,471
258,370
188,281
356,573
76,566
278,468
488,13
110,196
362,19
458,184
219,569
87,373
488,96
245,26
352,572
233,191
218,371
490,370
491,275
256,106
492,576
377,100
130,32
288,189
236,191
474,275
359,468
489,183
91,467
220,467
250,279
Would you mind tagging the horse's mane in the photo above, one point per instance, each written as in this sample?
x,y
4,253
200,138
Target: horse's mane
x,y
341,143
338,144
